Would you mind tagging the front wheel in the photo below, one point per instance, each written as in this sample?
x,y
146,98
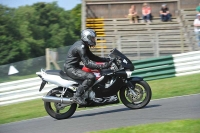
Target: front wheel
x,y
138,100
59,110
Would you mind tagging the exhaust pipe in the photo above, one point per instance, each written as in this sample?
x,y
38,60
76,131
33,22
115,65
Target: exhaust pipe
x,y
57,99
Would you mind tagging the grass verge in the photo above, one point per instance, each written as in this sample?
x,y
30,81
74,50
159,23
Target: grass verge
x,y
178,126
163,88
176,86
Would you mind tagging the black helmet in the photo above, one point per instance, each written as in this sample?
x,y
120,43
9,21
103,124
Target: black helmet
x,y
89,36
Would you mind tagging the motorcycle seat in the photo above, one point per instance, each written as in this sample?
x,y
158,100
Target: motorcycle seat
x,y
63,75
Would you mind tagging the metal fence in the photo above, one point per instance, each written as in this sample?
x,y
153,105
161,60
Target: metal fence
x,y
28,68
24,68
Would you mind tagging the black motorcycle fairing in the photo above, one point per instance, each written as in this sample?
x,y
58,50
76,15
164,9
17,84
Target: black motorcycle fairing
x,y
105,93
91,103
42,85
121,73
100,89
132,81
135,79
125,62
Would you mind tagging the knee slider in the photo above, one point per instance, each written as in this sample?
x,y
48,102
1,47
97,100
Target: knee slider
x,y
91,78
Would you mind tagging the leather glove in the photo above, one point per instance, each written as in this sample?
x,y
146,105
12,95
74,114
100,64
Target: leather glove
x,y
107,59
107,64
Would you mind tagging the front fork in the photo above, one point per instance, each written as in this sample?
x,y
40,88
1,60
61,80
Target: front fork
x,y
131,88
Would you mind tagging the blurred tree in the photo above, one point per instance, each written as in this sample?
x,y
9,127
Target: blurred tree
x,y
25,32
75,19
9,49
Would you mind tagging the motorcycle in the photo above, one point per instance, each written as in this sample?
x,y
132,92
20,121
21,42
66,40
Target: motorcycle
x,y
111,84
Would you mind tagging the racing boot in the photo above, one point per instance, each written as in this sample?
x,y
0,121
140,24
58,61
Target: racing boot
x,y
77,96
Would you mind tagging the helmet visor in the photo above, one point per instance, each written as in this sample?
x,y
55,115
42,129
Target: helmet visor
x,y
93,40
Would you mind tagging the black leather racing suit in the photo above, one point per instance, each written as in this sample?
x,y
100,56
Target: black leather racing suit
x,y
78,52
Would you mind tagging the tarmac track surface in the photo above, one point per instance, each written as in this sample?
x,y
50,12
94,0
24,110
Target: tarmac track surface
x,y
161,110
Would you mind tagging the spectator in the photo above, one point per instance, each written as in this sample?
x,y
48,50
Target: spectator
x,y
164,13
198,9
132,15
146,12
197,28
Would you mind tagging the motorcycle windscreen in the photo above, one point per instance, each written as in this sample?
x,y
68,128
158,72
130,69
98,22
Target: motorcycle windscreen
x,y
126,63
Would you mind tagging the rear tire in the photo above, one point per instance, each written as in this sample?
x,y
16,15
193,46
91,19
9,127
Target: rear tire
x,y
143,91
52,107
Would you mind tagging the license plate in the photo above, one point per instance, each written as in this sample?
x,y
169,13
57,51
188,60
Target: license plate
x,y
42,85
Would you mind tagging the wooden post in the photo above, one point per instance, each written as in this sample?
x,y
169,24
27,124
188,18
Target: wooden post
x,y
83,16
138,48
119,43
157,51
54,63
102,49
179,5
47,59
109,9
182,44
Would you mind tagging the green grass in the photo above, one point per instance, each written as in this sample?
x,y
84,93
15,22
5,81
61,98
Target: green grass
x,y
163,88
175,86
178,126
22,111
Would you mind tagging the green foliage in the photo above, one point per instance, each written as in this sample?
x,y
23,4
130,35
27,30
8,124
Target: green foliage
x,y
8,36
75,16
25,32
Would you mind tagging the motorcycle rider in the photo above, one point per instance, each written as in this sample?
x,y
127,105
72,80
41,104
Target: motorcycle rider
x,y
78,52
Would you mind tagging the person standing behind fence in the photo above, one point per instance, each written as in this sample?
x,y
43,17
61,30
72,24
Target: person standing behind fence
x,y
164,13
132,15
197,28
198,9
146,12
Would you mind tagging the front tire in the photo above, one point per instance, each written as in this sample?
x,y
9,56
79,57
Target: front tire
x,y
143,91
58,110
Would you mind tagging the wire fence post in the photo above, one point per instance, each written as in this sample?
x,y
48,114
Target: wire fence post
x,y
102,51
47,59
156,45
119,43
182,45
138,48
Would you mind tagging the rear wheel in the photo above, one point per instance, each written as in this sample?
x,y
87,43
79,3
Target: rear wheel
x,y
59,110
140,100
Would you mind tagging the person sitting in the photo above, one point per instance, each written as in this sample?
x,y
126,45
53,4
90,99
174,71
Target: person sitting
x,y
198,9
132,15
146,12
164,13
